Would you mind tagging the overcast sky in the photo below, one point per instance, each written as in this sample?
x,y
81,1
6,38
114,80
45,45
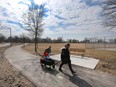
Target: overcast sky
x,y
64,18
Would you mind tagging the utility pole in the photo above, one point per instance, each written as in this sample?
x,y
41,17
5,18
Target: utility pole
x,y
10,37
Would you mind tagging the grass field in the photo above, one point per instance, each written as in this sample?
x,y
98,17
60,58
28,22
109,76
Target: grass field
x,y
107,58
55,47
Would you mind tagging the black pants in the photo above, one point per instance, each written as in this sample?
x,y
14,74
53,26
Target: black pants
x,y
69,64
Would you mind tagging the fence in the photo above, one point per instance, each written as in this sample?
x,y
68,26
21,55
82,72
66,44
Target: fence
x,y
107,42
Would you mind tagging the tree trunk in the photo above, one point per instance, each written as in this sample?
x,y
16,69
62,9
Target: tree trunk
x,y
36,42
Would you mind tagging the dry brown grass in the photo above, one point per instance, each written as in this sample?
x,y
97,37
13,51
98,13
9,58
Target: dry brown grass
x,y
107,58
101,54
55,47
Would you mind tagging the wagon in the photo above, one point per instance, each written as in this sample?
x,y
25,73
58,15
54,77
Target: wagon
x,y
47,62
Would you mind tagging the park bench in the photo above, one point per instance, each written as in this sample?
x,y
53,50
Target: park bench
x,y
78,51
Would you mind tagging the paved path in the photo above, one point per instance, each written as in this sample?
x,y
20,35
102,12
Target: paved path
x,y
4,45
29,66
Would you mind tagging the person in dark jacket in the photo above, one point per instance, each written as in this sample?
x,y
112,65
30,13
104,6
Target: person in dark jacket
x,y
65,58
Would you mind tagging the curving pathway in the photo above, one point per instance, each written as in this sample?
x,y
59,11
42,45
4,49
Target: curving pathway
x,y
29,66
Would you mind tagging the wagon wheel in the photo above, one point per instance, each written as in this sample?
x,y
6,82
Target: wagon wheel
x,y
42,65
53,66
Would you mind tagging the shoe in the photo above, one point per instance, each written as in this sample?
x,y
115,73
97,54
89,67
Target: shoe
x,y
60,70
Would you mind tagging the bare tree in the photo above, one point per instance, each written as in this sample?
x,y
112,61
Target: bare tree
x,y
2,38
109,11
59,40
32,21
2,27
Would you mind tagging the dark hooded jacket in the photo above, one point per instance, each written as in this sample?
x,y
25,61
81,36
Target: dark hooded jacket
x,y
65,55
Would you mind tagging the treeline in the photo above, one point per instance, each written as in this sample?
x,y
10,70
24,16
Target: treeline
x,y
15,39
58,40
26,39
102,40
